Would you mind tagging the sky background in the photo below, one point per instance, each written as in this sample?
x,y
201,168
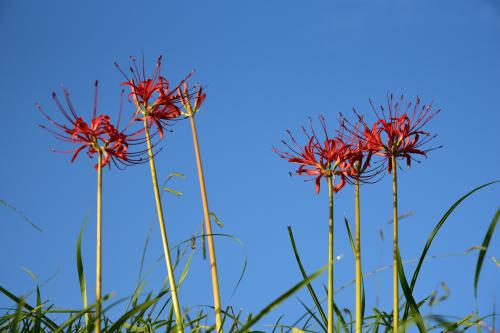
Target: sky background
x,y
267,66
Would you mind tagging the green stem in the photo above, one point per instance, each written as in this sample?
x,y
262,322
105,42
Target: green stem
x,y
357,252
166,251
98,245
330,257
208,226
395,289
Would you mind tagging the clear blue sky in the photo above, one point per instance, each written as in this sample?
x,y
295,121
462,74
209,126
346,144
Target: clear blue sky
x,y
268,65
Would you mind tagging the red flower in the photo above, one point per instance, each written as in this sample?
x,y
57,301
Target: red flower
x,y
98,136
328,158
187,94
399,130
360,152
153,96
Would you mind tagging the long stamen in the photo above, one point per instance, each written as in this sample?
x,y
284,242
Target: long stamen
x,y
95,99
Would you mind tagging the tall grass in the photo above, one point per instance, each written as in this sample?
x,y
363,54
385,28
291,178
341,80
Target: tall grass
x,y
153,311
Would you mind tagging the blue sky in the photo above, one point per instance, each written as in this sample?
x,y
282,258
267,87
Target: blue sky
x,y
267,65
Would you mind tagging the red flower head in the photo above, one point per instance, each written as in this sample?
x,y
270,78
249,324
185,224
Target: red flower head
x,y
186,95
398,132
153,96
328,158
98,136
360,154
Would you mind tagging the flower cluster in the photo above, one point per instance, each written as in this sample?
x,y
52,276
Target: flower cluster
x,y
154,97
397,133
320,159
98,136
155,101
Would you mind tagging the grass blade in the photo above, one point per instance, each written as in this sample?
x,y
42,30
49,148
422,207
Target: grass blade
x,y
38,316
77,316
304,275
174,192
142,307
313,315
484,248
17,317
408,295
17,300
81,274
353,247
280,299
21,214
216,219
431,238
341,318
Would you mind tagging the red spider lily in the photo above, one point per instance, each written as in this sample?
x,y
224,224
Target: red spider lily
x,y
360,153
398,130
153,96
187,94
98,136
318,159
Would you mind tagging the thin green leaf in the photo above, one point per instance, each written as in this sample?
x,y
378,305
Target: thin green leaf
x,y
353,247
175,174
341,318
170,319
17,300
38,316
495,260
17,316
21,214
452,327
482,252
408,295
174,192
77,316
438,226
237,240
402,216
473,248
216,219
185,270
81,274
304,275
30,273
280,299
275,326
313,315
431,238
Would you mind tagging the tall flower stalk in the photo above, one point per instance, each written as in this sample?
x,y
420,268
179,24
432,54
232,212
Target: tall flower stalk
x,y
358,171
331,256
164,238
110,144
357,257
157,104
395,242
327,159
398,134
191,111
98,269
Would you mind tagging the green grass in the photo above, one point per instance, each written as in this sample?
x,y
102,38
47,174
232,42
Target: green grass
x,y
152,312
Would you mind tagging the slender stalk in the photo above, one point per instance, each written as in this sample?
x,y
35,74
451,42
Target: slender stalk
x,y
395,290
166,251
208,226
357,253
330,256
98,270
